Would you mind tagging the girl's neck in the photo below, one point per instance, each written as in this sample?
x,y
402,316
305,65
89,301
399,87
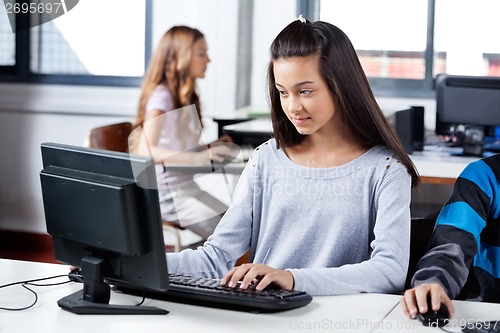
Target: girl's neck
x,y
322,151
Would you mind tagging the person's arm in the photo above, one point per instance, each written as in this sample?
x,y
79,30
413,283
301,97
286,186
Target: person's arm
x,y
384,272
230,240
443,270
150,136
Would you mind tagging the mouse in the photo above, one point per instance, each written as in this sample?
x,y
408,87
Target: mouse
x,y
433,318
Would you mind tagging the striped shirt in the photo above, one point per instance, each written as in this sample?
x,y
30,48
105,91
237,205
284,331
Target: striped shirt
x,y
467,235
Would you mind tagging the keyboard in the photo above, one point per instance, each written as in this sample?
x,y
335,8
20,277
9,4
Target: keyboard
x,y
209,292
483,327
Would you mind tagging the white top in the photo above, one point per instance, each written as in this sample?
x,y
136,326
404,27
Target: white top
x,y
181,131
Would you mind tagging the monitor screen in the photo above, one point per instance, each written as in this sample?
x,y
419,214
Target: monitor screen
x,y
467,100
102,211
468,110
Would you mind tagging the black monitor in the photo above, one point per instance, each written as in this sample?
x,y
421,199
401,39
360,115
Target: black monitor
x,y
467,107
102,211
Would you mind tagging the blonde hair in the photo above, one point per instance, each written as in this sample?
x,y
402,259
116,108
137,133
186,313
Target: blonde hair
x,y
170,67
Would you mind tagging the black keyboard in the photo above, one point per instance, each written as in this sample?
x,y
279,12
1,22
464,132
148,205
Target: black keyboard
x,y
483,327
209,292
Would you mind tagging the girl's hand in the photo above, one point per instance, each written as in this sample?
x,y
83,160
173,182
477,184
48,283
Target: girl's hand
x,y
225,138
216,153
259,274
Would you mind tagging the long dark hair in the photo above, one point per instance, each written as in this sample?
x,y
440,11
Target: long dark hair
x,y
341,70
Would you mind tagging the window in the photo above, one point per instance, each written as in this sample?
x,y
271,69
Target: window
x,y
95,42
7,40
403,45
468,37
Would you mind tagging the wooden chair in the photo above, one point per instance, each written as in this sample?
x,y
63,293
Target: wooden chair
x,y
115,137
110,137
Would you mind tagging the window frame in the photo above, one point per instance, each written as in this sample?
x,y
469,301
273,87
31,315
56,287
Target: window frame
x,y
393,87
20,72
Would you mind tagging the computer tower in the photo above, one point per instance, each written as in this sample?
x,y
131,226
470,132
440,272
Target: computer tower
x,y
409,125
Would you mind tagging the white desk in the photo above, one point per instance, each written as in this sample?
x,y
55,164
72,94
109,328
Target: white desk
x,y
255,126
466,313
359,313
438,166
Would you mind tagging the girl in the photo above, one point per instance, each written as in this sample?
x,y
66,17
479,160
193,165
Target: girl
x,y
168,128
324,205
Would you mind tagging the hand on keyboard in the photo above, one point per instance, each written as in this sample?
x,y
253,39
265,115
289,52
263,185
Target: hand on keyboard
x,y
259,275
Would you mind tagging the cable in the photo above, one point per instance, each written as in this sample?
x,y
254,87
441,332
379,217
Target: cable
x,y
385,316
143,298
27,283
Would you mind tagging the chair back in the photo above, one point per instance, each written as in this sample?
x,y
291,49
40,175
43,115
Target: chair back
x,y
111,137
421,233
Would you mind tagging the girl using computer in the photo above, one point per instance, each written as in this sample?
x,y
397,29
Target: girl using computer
x,y
324,205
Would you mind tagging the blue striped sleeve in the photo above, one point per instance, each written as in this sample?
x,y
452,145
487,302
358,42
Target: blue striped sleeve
x,y
460,215
488,259
481,174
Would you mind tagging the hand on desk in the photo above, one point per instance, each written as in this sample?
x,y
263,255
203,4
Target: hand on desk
x,y
225,138
260,274
415,299
216,152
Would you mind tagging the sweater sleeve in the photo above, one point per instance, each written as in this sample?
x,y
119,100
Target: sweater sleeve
x,y
385,270
454,241
230,240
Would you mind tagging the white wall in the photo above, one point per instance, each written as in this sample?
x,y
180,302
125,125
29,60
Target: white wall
x,y
263,35
217,19
32,114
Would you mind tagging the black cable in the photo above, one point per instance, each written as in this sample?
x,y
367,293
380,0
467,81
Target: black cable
x,y
143,298
32,282
27,283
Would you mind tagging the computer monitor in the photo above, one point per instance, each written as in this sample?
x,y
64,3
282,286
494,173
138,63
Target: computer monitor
x,y
468,107
102,211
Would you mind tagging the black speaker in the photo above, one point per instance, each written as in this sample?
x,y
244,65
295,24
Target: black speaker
x,y
409,125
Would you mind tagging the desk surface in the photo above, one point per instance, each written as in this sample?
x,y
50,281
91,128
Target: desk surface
x,y
245,113
359,313
254,126
439,166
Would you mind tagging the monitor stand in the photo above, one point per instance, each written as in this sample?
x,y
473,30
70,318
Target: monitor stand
x,y
473,141
76,304
473,150
95,295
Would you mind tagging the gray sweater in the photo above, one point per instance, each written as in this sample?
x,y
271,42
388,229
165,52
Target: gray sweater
x,y
338,230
